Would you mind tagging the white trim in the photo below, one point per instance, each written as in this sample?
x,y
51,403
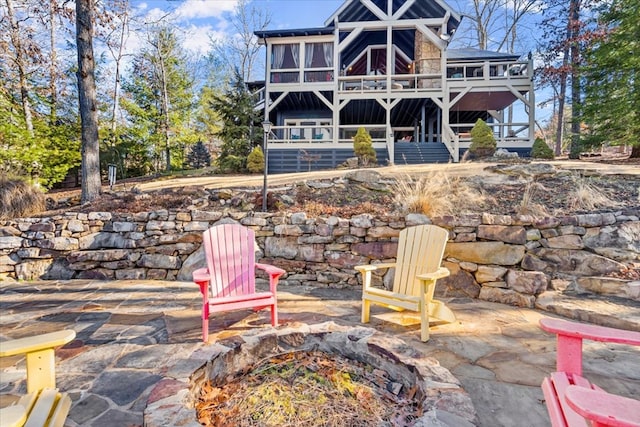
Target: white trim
x,y
375,9
407,4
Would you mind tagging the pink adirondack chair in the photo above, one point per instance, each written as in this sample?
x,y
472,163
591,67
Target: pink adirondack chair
x,y
573,401
228,281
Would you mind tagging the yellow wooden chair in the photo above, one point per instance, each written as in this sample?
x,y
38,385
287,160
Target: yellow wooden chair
x,y
43,405
420,252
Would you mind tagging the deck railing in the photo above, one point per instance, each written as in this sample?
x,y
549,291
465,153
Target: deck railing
x,y
324,134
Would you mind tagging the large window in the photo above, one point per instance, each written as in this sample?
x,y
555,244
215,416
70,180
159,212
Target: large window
x,y
314,59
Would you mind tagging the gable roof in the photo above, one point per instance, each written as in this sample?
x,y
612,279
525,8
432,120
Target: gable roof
x,y
356,11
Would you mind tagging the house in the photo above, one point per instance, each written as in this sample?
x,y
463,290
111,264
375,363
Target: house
x,y
385,65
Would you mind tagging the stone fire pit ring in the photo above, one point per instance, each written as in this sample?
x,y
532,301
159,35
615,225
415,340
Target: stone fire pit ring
x,y
444,402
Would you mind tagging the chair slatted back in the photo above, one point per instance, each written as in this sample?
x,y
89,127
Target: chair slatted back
x,y
420,250
230,254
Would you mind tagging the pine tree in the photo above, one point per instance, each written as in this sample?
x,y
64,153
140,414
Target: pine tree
x,y
611,108
241,129
199,156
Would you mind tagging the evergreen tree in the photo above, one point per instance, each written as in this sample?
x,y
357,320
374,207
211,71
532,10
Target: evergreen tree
x,y
199,156
540,150
241,129
255,160
160,103
611,109
483,143
363,147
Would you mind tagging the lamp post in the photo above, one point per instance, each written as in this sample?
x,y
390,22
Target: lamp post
x,y
266,127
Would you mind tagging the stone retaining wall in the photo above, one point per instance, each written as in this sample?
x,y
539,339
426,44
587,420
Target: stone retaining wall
x,y
508,259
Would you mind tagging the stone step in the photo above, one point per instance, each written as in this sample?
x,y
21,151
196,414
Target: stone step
x,y
610,286
599,309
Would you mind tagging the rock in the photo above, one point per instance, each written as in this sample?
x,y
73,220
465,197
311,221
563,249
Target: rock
x,y
486,273
570,241
503,233
616,240
506,296
368,176
527,282
575,262
459,283
376,250
503,153
485,252
531,170
159,261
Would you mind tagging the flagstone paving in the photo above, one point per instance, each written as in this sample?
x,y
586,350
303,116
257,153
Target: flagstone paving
x,y
133,336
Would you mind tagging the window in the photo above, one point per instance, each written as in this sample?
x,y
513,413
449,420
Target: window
x,y
285,56
318,55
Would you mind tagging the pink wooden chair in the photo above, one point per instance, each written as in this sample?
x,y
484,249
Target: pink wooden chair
x,y
571,399
228,281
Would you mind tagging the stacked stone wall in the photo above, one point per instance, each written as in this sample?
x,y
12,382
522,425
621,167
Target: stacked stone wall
x,y
508,259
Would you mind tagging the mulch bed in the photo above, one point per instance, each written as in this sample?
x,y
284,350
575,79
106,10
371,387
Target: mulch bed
x,y
310,389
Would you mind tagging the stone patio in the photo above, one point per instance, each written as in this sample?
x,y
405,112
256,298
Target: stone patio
x,y
139,341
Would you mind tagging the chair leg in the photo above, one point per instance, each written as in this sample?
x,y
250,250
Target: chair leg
x,y
205,324
366,307
424,324
274,315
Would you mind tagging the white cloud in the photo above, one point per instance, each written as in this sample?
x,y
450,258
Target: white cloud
x,y
203,9
197,39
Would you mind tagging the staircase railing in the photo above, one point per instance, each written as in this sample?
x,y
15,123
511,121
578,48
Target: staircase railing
x,y
452,142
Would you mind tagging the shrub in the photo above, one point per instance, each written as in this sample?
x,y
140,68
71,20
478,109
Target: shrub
x,y
255,160
232,164
19,199
483,143
363,147
199,157
540,150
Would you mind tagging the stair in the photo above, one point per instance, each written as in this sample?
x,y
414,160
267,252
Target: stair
x,y
411,153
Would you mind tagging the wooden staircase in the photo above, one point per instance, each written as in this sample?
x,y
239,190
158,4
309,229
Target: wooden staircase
x,y
411,153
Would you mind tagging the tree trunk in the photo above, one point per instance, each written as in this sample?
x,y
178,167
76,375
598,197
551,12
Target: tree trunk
x,y
90,180
635,152
22,67
165,111
53,70
574,15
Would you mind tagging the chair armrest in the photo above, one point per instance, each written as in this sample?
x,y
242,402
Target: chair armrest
x,y
274,274
13,416
36,343
272,270
589,332
602,407
373,267
438,274
201,275
571,334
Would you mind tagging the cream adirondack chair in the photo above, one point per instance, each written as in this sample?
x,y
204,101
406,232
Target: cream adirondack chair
x,y
43,405
228,281
420,252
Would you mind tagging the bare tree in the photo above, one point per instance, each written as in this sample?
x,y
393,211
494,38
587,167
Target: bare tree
x,y
241,50
90,180
494,23
115,42
20,59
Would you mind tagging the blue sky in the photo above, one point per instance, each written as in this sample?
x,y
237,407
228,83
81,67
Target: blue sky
x,y
203,19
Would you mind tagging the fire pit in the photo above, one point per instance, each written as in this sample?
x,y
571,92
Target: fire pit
x,y
322,374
